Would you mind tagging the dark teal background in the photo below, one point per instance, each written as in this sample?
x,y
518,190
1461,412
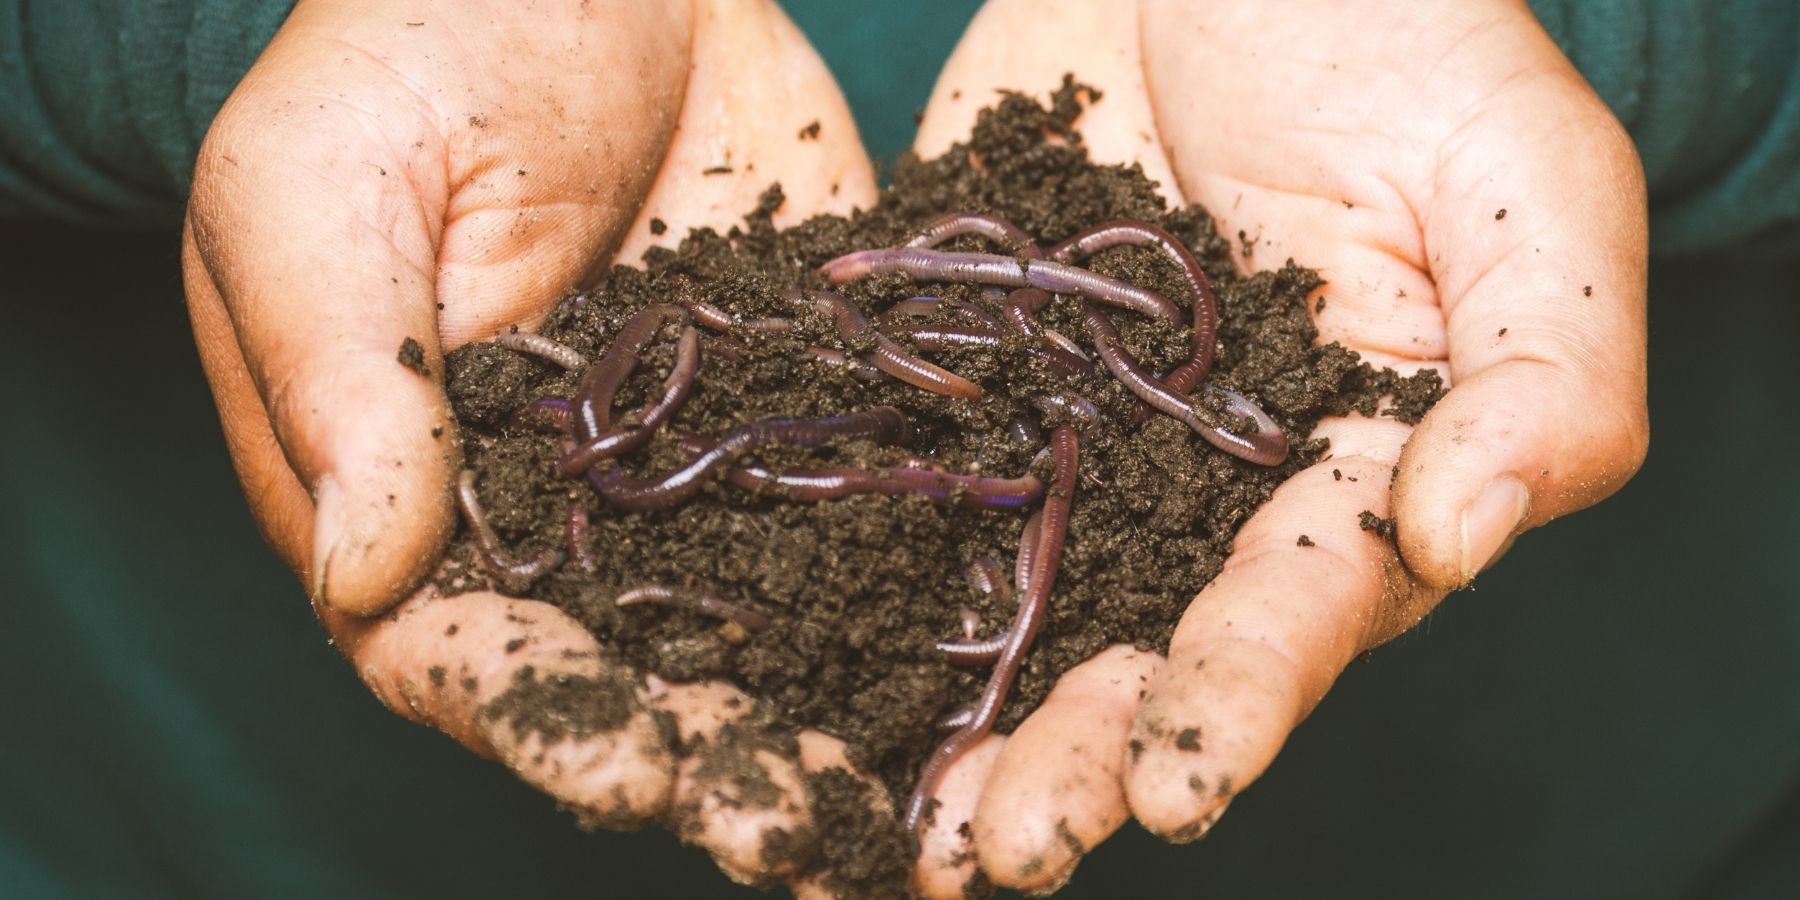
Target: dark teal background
x,y
1614,713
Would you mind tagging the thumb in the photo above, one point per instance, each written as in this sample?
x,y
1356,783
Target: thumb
x,y
1542,276
327,194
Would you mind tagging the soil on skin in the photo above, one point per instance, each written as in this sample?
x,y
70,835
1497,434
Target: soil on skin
x,y
859,589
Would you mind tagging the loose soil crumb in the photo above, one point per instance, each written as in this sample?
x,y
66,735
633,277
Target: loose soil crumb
x,y
859,589
1385,529
412,356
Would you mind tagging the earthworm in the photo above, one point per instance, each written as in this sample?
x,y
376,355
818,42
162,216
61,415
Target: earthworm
x,y
993,228
1019,309
860,368
1022,431
882,424
956,720
1022,306
676,389
493,552
970,619
888,357
1050,534
1071,409
1205,326
974,491
577,529
931,338
987,268
555,412
985,576
594,395
1266,445
719,320
533,344
703,602
972,652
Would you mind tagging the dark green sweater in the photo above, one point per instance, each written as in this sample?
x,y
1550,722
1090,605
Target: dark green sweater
x,y
103,102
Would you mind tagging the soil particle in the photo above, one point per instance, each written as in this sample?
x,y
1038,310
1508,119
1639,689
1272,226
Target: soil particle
x,y
561,705
412,356
658,226
1383,528
1304,541
1500,215
811,131
860,589
436,674
1188,740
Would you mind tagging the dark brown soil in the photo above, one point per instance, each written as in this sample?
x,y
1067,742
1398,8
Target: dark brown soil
x,y
860,588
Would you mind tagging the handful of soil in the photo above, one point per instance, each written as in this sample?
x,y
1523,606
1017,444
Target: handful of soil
x,y
840,603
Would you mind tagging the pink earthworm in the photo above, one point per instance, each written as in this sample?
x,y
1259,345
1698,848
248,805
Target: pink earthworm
x,y
994,228
1205,319
1050,534
1265,445
704,602
618,442
987,268
493,552
537,345
888,357
594,395
882,424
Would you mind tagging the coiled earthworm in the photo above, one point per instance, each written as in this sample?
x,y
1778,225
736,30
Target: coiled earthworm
x,y
888,357
1265,445
618,442
1205,319
594,395
493,552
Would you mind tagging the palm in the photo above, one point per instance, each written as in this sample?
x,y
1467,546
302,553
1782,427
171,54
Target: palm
x,y
1377,143
436,173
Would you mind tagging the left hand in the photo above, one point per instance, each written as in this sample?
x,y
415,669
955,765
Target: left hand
x,y
1474,208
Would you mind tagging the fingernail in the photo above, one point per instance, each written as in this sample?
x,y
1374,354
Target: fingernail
x,y
328,527
1489,520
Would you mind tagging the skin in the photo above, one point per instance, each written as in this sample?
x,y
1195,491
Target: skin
x,y
373,180
1376,141
368,170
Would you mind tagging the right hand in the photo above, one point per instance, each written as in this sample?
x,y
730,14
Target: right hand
x,y
407,169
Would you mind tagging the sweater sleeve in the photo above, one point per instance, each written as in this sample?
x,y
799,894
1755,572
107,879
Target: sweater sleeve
x,y
1710,92
103,102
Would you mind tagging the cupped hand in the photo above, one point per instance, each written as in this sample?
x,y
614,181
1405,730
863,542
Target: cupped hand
x,y
1474,209
413,171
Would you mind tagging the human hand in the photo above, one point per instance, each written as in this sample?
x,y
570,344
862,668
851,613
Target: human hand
x,y
1473,208
438,172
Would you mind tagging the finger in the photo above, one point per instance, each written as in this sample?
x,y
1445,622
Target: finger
x,y
948,865
279,502
1264,641
317,214
1546,330
1057,789
739,790
521,681
847,826
761,109
1308,180
1027,46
